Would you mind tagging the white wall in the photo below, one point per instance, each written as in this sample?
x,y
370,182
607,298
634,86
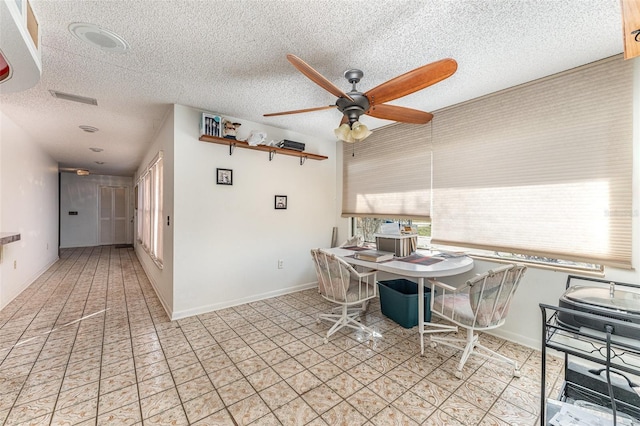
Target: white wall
x,y
28,205
161,278
228,239
80,194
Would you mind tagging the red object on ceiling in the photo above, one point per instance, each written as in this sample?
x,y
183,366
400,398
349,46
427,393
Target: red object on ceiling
x,y
4,68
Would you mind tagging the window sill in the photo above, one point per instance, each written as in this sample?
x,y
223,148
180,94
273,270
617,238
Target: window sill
x,y
546,266
155,260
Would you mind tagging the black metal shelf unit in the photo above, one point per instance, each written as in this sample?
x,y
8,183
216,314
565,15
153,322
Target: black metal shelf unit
x,y
581,343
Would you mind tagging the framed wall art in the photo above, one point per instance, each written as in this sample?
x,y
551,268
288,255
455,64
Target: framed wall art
x,y
225,176
280,202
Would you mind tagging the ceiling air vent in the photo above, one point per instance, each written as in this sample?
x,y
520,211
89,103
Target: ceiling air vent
x,y
74,98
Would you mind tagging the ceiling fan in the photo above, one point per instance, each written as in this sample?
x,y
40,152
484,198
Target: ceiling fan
x,y
373,102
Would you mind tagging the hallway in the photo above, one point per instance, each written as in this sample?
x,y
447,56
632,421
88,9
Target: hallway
x,y
89,343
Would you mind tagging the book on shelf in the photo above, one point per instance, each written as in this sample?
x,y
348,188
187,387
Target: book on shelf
x,y
211,125
374,255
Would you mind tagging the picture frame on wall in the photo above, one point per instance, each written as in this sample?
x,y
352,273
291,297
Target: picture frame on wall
x,y
225,176
280,202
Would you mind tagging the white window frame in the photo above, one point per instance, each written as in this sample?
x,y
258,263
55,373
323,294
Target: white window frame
x,y
150,210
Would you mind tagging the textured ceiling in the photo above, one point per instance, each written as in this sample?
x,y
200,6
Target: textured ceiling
x,y
229,57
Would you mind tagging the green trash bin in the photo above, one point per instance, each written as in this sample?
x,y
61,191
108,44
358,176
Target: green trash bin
x,y
399,301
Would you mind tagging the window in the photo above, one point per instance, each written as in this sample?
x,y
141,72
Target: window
x,y
539,172
389,174
367,227
543,169
150,201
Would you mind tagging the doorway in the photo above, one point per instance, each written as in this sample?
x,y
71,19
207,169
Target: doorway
x,y
113,213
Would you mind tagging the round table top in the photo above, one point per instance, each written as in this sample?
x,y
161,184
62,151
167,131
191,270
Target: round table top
x,y
450,265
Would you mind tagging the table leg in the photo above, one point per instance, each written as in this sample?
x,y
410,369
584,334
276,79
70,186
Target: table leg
x,y
421,313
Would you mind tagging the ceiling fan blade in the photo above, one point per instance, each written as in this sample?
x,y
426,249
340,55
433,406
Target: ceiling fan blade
x,y
412,81
398,113
298,111
630,27
316,77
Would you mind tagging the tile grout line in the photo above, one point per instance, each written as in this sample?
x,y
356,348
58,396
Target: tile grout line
x,y
78,328
133,357
75,260
282,321
45,283
104,325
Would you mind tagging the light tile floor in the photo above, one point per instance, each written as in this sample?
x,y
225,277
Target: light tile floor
x,y
89,343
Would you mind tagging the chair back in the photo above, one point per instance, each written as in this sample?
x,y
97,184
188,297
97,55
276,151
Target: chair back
x,y
334,275
490,294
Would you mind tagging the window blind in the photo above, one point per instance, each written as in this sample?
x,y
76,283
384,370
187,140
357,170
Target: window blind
x,y
388,174
543,169
157,215
150,213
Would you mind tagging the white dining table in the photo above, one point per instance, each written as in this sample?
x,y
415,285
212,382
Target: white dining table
x,y
448,266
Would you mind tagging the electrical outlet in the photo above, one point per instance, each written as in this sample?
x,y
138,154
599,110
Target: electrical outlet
x,y
15,264
280,264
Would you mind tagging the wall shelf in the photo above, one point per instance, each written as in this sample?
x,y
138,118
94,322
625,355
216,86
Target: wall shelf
x,y
9,237
272,150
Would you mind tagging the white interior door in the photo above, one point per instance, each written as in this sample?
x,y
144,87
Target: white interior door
x,y
113,210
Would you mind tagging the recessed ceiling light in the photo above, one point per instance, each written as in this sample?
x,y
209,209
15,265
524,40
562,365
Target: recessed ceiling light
x,y
101,38
89,129
82,172
99,162
96,149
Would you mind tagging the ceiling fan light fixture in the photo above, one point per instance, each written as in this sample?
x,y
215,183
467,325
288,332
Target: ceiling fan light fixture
x,y
354,133
359,131
343,132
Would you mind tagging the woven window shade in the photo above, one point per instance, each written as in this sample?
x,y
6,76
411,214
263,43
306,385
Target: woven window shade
x,y
389,174
543,169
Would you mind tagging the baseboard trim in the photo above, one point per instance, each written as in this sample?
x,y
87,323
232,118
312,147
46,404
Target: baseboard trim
x,y
28,282
166,308
516,338
230,303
